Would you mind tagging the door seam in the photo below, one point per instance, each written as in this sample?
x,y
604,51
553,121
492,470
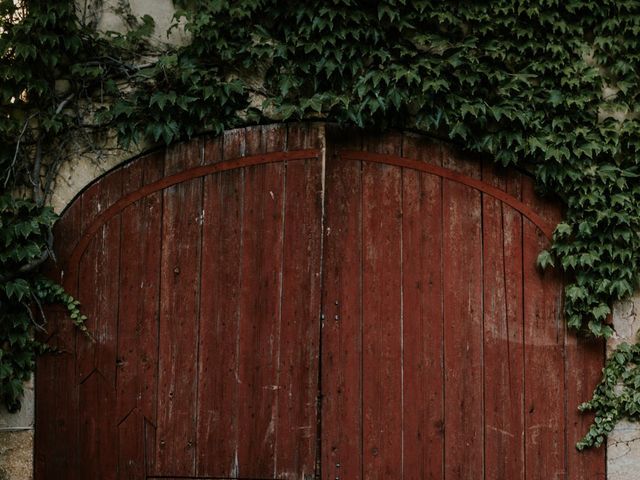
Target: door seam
x,y
319,394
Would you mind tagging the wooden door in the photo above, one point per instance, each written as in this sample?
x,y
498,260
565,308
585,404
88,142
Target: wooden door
x,y
444,351
305,302
199,271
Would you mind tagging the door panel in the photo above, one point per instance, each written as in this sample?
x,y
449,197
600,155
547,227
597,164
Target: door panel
x,y
235,285
462,302
382,310
423,347
96,358
503,330
454,325
200,270
179,319
218,388
138,315
342,373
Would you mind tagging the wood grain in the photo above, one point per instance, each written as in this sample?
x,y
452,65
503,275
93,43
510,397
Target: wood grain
x,y
382,312
341,363
98,292
544,392
56,439
423,399
503,330
259,313
218,385
179,322
137,342
297,394
463,328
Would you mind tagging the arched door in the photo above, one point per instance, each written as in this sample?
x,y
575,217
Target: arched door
x,y
304,301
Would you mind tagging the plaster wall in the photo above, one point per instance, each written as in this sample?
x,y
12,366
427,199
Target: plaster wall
x,y
623,444
118,16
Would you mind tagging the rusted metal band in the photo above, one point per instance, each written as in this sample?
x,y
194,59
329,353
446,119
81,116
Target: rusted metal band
x,y
545,226
166,182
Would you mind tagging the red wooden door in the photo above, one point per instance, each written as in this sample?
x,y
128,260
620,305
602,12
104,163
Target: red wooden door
x,y
199,271
444,352
235,285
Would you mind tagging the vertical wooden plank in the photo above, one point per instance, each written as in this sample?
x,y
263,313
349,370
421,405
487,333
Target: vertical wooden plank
x,y
272,138
179,305
148,333
545,448
98,286
382,312
56,401
137,368
260,306
224,147
514,288
98,428
131,445
131,264
98,292
87,271
66,233
503,341
217,370
584,362
297,393
422,429
302,136
341,372
150,433
462,293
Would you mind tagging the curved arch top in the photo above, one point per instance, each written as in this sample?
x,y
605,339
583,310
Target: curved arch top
x,y
184,176
545,226
212,272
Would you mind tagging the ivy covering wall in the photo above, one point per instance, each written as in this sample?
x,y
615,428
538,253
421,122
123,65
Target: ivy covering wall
x,y
550,86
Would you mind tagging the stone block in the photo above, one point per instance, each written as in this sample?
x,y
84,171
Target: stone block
x,y
16,455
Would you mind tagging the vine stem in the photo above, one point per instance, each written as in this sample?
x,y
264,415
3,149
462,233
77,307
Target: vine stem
x,y
35,180
15,155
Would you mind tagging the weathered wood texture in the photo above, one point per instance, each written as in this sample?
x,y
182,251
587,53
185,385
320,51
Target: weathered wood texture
x,y
234,285
444,352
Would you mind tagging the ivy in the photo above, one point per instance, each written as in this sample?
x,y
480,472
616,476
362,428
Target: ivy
x,y
616,397
548,86
25,239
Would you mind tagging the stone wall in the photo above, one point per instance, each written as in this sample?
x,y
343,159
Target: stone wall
x,y
16,440
16,457
623,444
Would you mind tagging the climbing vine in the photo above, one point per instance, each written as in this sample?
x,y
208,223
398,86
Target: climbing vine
x,y
25,236
551,86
